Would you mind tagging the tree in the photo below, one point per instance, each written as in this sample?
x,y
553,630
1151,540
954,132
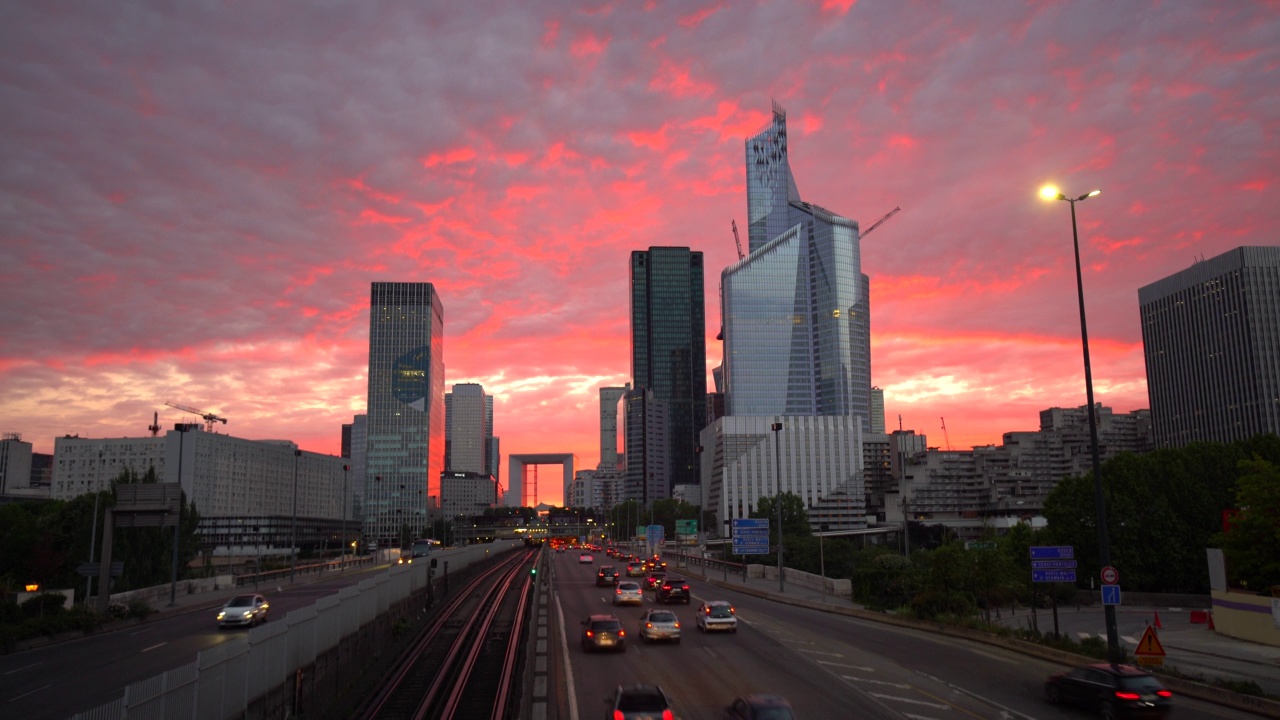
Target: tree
x,y
795,516
1251,544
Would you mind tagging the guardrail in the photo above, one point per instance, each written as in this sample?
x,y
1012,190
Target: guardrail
x,y
319,568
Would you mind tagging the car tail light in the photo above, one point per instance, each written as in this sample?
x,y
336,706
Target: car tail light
x,y
677,625
590,634
622,633
648,625
1121,694
1164,693
617,715
666,715
618,591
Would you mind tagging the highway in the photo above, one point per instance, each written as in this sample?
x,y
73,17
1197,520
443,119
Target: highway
x,y
827,665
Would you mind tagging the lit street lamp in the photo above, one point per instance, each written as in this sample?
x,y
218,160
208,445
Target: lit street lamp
x,y
173,571
346,469
1050,192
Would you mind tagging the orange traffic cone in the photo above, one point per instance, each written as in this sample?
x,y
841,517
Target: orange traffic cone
x,y
1158,625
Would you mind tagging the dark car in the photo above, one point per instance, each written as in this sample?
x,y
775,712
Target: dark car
x,y
607,575
640,702
603,632
654,580
1113,691
673,590
759,707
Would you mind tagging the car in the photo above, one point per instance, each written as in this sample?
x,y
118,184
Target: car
x,y
659,624
640,702
654,580
585,559
603,632
716,615
607,575
673,590
628,593
635,569
759,707
1112,690
244,610
559,548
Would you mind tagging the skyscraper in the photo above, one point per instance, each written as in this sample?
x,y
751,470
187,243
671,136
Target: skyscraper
x,y
1209,334
609,397
406,409
669,348
796,311
469,428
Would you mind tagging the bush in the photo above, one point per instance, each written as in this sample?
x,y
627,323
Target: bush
x,y
138,608
44,605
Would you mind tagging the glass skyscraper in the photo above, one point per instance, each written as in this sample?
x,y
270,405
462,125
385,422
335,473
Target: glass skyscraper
x,y
796,310
1211,337
669,349
406,423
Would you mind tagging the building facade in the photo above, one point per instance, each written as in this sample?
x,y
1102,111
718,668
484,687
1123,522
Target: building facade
x,y
16,479
796,312
669,348
468,429
1212,349
609,403
406,424
647,471
467,494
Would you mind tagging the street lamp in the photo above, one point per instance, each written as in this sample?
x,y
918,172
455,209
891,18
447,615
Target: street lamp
x,y
822,561
93,533
777,498
173,570
728,545
1050,192
346,470
293,527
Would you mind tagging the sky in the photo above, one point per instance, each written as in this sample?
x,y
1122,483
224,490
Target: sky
x,y
196,196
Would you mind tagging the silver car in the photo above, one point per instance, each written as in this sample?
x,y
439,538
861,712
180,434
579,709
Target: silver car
x,y
628,593
659,624
243,610
717,615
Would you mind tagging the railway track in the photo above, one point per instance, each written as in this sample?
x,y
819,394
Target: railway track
x,y
464,664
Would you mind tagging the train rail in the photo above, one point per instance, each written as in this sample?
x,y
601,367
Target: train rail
x,y
463,665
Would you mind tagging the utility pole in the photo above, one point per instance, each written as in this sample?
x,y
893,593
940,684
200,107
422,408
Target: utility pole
x,y
777,499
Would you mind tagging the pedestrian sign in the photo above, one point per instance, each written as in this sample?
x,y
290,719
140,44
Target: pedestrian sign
x,y
1149,650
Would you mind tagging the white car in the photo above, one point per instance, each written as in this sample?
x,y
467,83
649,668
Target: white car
x,y
243,610
585,559
716,615
659,624
628,593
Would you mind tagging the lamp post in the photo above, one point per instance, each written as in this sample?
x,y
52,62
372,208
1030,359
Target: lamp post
x,y
293,527
346,470
822,561
173,570
93,533
1049,192
728,545
777,498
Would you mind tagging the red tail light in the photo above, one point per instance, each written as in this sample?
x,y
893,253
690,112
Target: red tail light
x,y
617,715
1164,693
1127,695
666,715
622,633
590,634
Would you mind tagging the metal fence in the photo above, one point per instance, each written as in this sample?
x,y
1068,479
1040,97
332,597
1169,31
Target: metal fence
x,y
225,680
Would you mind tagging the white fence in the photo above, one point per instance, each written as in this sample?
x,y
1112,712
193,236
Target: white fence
x,y
224,680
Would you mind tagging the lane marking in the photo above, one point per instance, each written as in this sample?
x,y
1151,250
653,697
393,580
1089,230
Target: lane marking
x,y
863,668
909,701
869,681
24,667
819,652
153,647
33,692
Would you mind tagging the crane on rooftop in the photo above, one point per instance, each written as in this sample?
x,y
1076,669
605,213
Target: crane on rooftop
x,y
209,418
736,241
879,222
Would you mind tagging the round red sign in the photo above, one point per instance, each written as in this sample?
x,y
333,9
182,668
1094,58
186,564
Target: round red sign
x,y
1110,576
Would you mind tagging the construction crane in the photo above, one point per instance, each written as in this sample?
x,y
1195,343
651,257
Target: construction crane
x,y
879,222
945,436
154,427
209,418
736,241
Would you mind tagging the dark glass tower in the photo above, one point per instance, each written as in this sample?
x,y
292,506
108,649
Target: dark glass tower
x,y
669,348
405,445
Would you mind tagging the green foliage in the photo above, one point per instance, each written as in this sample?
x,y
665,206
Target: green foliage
x,y
795,516
1252,546
1162,510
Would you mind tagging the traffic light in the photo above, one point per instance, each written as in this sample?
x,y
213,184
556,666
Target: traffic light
x,y
533,571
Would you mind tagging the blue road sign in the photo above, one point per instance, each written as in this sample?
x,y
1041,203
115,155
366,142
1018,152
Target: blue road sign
x,y
744,523
750,548
1053,552
1110,594
751,532
1053,564
1053,576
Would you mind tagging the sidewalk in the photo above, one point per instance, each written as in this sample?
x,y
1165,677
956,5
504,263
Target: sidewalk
x,y
1212,654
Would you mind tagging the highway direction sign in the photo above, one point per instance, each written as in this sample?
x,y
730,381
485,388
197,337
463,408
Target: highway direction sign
x,y
743,523
1053,576
1053,552
744,547
91,569
1053,564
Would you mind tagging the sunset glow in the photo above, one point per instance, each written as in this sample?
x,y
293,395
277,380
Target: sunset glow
x,y
194,199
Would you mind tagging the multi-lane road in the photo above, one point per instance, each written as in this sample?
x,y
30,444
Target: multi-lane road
x,y
827,665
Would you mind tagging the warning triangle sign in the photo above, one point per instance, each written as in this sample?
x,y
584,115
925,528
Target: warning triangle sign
x,y
1149,644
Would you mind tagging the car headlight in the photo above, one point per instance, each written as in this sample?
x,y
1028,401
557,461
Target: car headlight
x,y
222,614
